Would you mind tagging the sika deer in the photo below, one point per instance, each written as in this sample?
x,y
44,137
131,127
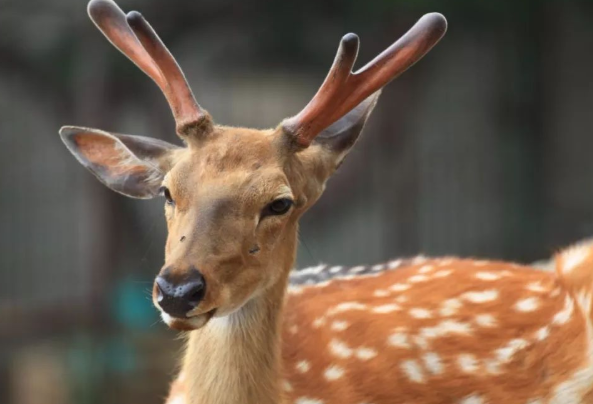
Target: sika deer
x,y
433,331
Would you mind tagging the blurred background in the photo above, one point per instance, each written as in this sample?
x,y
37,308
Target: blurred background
x,y
482,149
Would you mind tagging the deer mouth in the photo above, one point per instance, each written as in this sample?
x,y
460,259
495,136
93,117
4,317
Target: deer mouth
x,y
191,323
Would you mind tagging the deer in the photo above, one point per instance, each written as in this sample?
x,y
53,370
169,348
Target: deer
x,y
420,330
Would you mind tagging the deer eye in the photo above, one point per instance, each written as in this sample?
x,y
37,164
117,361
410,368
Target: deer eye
x,y
167,194
278,207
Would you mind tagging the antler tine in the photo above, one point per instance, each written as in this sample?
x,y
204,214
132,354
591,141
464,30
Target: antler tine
x,y
111,21
188,113
337,97
136,39
396,59
338,74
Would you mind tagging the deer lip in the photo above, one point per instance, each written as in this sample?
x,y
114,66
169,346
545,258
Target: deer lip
x,y
209,314
190,323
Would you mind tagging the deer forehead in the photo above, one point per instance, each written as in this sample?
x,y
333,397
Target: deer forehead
x,y
238,159
235,149
248,165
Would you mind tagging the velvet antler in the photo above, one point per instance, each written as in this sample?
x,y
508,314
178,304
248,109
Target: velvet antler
x,y
136,39
343,89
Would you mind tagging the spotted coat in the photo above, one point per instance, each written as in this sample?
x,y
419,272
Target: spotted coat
x,y
438,331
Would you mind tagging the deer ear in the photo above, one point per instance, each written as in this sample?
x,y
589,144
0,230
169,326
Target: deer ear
x,y
131,165
339,137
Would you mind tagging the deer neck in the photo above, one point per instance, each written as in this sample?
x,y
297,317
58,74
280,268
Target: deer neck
x,y
235,359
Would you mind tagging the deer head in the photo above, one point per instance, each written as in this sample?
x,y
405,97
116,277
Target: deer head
x,y
233,195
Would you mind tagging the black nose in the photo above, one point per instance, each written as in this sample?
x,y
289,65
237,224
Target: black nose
x,y
179,293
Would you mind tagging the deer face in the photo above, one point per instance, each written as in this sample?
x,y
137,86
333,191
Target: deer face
x,y
233,196
232,207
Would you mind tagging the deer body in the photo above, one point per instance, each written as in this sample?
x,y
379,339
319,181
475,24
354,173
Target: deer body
x,y
422,331
432,331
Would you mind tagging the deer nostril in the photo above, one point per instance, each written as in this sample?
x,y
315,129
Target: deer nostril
x,y
195,294
159,293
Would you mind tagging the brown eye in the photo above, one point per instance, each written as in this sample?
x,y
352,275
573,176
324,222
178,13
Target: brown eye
x,y
167,194
278,207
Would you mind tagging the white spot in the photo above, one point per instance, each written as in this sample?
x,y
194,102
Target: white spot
x,y
355,270
412,369
286,386
381,293
401,299
418,278
394,264
420,341
446,327
340,349
584,300
425,269
339,325
432,362
319,322
295,290
445,262
420,313
442,273
335,270
506,353
536,287
399,287
293,329
564,315
542,333
492,366
480,263
305,400
365,353
487,276
310,271
399,339
346,306
481,297
555,292
535,401
419,260
386,308
450,307
527,305
378,267
485,320
303,366
473,399
467,363
333,373
573,257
